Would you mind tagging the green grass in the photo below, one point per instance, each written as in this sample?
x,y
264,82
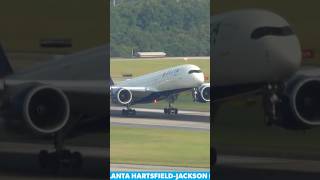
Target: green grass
x,y
159,147
140,67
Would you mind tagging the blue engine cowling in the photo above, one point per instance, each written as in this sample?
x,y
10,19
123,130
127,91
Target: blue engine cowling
x,y
202,93
121,96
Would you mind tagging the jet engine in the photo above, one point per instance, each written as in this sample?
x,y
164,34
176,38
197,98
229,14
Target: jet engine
x,y
298,106
121,96
202,93
44,109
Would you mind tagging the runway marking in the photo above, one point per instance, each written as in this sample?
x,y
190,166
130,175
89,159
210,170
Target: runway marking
x,y
136,167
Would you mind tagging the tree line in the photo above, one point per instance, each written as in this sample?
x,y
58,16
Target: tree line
x,y
177,27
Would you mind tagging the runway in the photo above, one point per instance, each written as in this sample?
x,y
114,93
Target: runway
x,y
155,118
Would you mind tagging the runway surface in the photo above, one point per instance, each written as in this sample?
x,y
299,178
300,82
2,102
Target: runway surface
x,y
155,118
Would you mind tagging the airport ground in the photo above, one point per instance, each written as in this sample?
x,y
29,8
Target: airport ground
x,y
21,157
153,138
239,126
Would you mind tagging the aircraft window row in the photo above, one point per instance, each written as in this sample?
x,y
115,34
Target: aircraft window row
x,y
195,71
271,31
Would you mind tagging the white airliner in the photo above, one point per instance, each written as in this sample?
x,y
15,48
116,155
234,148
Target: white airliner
x,y
257,52
164,84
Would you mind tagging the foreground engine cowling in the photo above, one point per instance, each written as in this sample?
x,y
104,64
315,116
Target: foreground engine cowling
x,y
202,93
305,102
299,106
44,109
121,96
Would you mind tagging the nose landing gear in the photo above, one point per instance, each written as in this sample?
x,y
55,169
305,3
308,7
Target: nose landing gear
x,y
61,157
171,110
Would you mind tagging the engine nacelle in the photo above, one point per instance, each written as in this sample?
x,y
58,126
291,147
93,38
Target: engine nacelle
x,y
202,93
305,102
121,96
299,105
44,109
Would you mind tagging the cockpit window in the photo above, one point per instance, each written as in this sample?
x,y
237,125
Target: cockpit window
x,y
195,71
271,31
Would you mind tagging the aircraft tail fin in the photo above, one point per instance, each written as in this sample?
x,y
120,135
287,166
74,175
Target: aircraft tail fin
x,y
5,67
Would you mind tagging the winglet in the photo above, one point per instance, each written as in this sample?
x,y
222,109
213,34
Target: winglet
x,y
5,67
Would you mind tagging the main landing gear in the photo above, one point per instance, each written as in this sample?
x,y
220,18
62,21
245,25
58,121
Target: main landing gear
x,y
61,157
128,111
271,103
170,109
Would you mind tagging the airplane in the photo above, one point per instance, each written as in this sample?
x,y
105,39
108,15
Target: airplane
x,y
160,85
49,99
257,52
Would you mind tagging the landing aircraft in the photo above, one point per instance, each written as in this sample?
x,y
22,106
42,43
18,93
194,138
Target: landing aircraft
x,y
160,85
257,52
47,100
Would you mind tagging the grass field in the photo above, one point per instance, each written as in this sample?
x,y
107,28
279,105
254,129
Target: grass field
x,y
160,147
140,67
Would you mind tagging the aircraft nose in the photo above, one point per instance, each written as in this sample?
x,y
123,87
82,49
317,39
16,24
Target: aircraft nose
x,y
286,58
198,77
